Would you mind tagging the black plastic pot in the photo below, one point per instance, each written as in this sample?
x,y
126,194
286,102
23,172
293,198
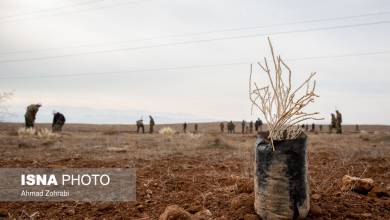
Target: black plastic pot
x,y
281,181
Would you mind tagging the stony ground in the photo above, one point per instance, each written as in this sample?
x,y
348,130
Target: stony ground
x,y
201,171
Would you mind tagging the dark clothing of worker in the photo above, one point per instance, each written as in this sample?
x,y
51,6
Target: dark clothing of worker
x,y
339,120
222,127
258,125
30,115
333,123
243,126
231,127
196,128
313,127
151,124
251,127
58,122
357,129
140,125
185,127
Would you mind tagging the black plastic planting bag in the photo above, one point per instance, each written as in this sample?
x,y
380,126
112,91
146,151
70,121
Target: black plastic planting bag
x,y
281,182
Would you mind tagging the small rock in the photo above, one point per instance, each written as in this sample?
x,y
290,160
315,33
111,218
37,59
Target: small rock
x,y
315,210
174,212
362,186
140,207
117,149
367,215
316,196
105,207
251,217
70,211
204,214
194,209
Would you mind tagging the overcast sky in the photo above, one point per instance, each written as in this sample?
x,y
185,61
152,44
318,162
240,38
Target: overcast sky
x,y
127,37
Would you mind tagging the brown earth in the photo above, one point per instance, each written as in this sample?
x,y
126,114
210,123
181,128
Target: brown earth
x,y
205,170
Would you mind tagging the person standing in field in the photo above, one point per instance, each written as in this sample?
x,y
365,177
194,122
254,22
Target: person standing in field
x,y
58,122
196,128
185,127
332,123
243,126
222,126
140,125
258,125
339,120
357,129
231,127
151,124
251,127
30,115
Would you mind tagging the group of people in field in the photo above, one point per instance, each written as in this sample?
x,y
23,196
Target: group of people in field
x,y
31,113
335,123
140,125
246,128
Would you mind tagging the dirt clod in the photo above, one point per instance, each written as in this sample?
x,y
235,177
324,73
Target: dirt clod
x,y
315,210
356,184
204,214
174,212
316,196
251,217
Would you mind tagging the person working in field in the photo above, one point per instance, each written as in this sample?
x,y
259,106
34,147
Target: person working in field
x,y
258,125
151,124
231,127
332,123
222,126
243,125
30,115
251,127
58,122
339,120
185,127
140,125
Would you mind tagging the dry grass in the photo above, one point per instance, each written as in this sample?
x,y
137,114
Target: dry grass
x,y
167,131
26,132
43,133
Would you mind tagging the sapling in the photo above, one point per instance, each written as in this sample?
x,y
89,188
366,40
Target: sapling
x,y
280,103
281,182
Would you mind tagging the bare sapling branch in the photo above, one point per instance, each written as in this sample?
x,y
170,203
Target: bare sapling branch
x,y
282,105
